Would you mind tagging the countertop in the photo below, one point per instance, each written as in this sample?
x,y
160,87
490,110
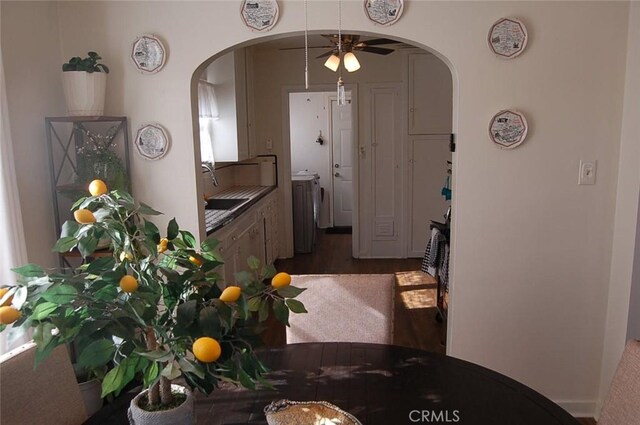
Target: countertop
x,y
216,219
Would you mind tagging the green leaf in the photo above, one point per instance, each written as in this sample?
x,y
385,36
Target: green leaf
x,y
151,374
209,244
254,303
61,294
69,228
118,377
263,313
19,297
295,306
243,277
97,354
245,379
209,322
281,312
87,246
43,310
65,244
156,355
171,372
253,263
186,313
106,293
189,239
190,367
100,265
290,291
123,199
172,229
29,270
77,204
270,271
145,209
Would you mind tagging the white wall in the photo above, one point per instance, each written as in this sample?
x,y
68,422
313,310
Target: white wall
x,y
625,226
633,322
221,72
33,72
532,248
307,116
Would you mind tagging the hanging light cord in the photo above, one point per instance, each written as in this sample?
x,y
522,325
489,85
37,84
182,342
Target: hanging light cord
x,y
340,30
306,46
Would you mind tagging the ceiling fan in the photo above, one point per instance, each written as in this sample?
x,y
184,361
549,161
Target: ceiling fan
x,y
350,44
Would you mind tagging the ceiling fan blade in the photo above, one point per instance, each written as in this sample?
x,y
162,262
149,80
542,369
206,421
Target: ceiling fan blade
x,y
331,37
377,41
376,50
302,47
324,55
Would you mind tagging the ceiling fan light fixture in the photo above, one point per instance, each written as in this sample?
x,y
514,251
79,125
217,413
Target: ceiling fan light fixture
x,y
351,62
333,62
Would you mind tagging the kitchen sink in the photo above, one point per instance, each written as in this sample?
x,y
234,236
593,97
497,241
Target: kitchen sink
x,y
224,203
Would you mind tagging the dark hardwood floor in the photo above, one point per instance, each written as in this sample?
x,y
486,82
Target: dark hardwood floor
x,y
415,292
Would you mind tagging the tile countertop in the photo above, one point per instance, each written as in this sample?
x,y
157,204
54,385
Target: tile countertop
x,y
216,219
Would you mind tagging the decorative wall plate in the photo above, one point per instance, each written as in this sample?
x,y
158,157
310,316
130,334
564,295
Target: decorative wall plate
x,y
260,15
383,12
152,141
148,54
508,37
508,129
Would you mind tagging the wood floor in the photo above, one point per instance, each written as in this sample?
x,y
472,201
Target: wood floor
x,y
415,294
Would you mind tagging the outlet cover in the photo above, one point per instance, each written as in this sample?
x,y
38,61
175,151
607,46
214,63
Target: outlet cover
x,y
588,170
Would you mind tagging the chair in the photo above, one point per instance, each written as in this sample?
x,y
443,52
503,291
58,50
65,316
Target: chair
x,y
622,405
344,308
47,395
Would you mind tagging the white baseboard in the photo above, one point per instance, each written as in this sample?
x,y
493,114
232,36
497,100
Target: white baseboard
x,y
578,408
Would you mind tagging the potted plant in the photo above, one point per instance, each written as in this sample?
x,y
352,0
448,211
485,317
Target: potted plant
x,y
84,81
155,309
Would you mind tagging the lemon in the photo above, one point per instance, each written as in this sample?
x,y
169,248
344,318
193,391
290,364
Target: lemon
x,y
84,216
9,315
280,280
230,294
129,284
162,246
206,349
3,291
195,260
97,188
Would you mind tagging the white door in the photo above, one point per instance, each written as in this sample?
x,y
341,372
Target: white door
x,y
342,166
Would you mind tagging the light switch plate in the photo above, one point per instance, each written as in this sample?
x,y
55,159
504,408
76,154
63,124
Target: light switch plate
x,y
587,172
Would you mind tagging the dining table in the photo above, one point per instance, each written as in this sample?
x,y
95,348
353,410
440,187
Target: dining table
x,y
378,384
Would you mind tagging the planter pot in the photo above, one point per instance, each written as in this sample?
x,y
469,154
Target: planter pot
x,y
91,392
181,415
84,92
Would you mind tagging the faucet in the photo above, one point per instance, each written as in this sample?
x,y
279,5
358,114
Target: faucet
x,y
211,168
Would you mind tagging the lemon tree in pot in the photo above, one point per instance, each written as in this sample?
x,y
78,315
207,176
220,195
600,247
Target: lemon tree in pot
x,y
155,310
84,83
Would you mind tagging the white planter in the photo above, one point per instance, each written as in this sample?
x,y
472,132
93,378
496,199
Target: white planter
x,y
91,392
181,415
84,92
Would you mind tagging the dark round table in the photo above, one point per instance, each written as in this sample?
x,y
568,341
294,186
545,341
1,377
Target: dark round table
x,y
380,385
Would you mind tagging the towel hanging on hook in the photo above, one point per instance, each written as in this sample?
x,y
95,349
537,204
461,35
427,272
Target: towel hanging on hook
x,y
320,140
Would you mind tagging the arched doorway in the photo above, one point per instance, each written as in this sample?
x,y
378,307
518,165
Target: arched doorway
x,y
376,234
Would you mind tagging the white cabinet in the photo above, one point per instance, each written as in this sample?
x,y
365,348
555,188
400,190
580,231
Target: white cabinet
x,y
230,133
254,233
269,216
430,95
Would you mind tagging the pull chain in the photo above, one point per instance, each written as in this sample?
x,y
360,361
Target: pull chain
x,y
306,46
341,94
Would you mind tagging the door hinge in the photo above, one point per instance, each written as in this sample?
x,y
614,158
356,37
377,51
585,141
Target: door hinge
x,y
452,142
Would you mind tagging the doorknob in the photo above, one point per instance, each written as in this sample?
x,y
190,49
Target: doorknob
x,y
337,165
337,174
